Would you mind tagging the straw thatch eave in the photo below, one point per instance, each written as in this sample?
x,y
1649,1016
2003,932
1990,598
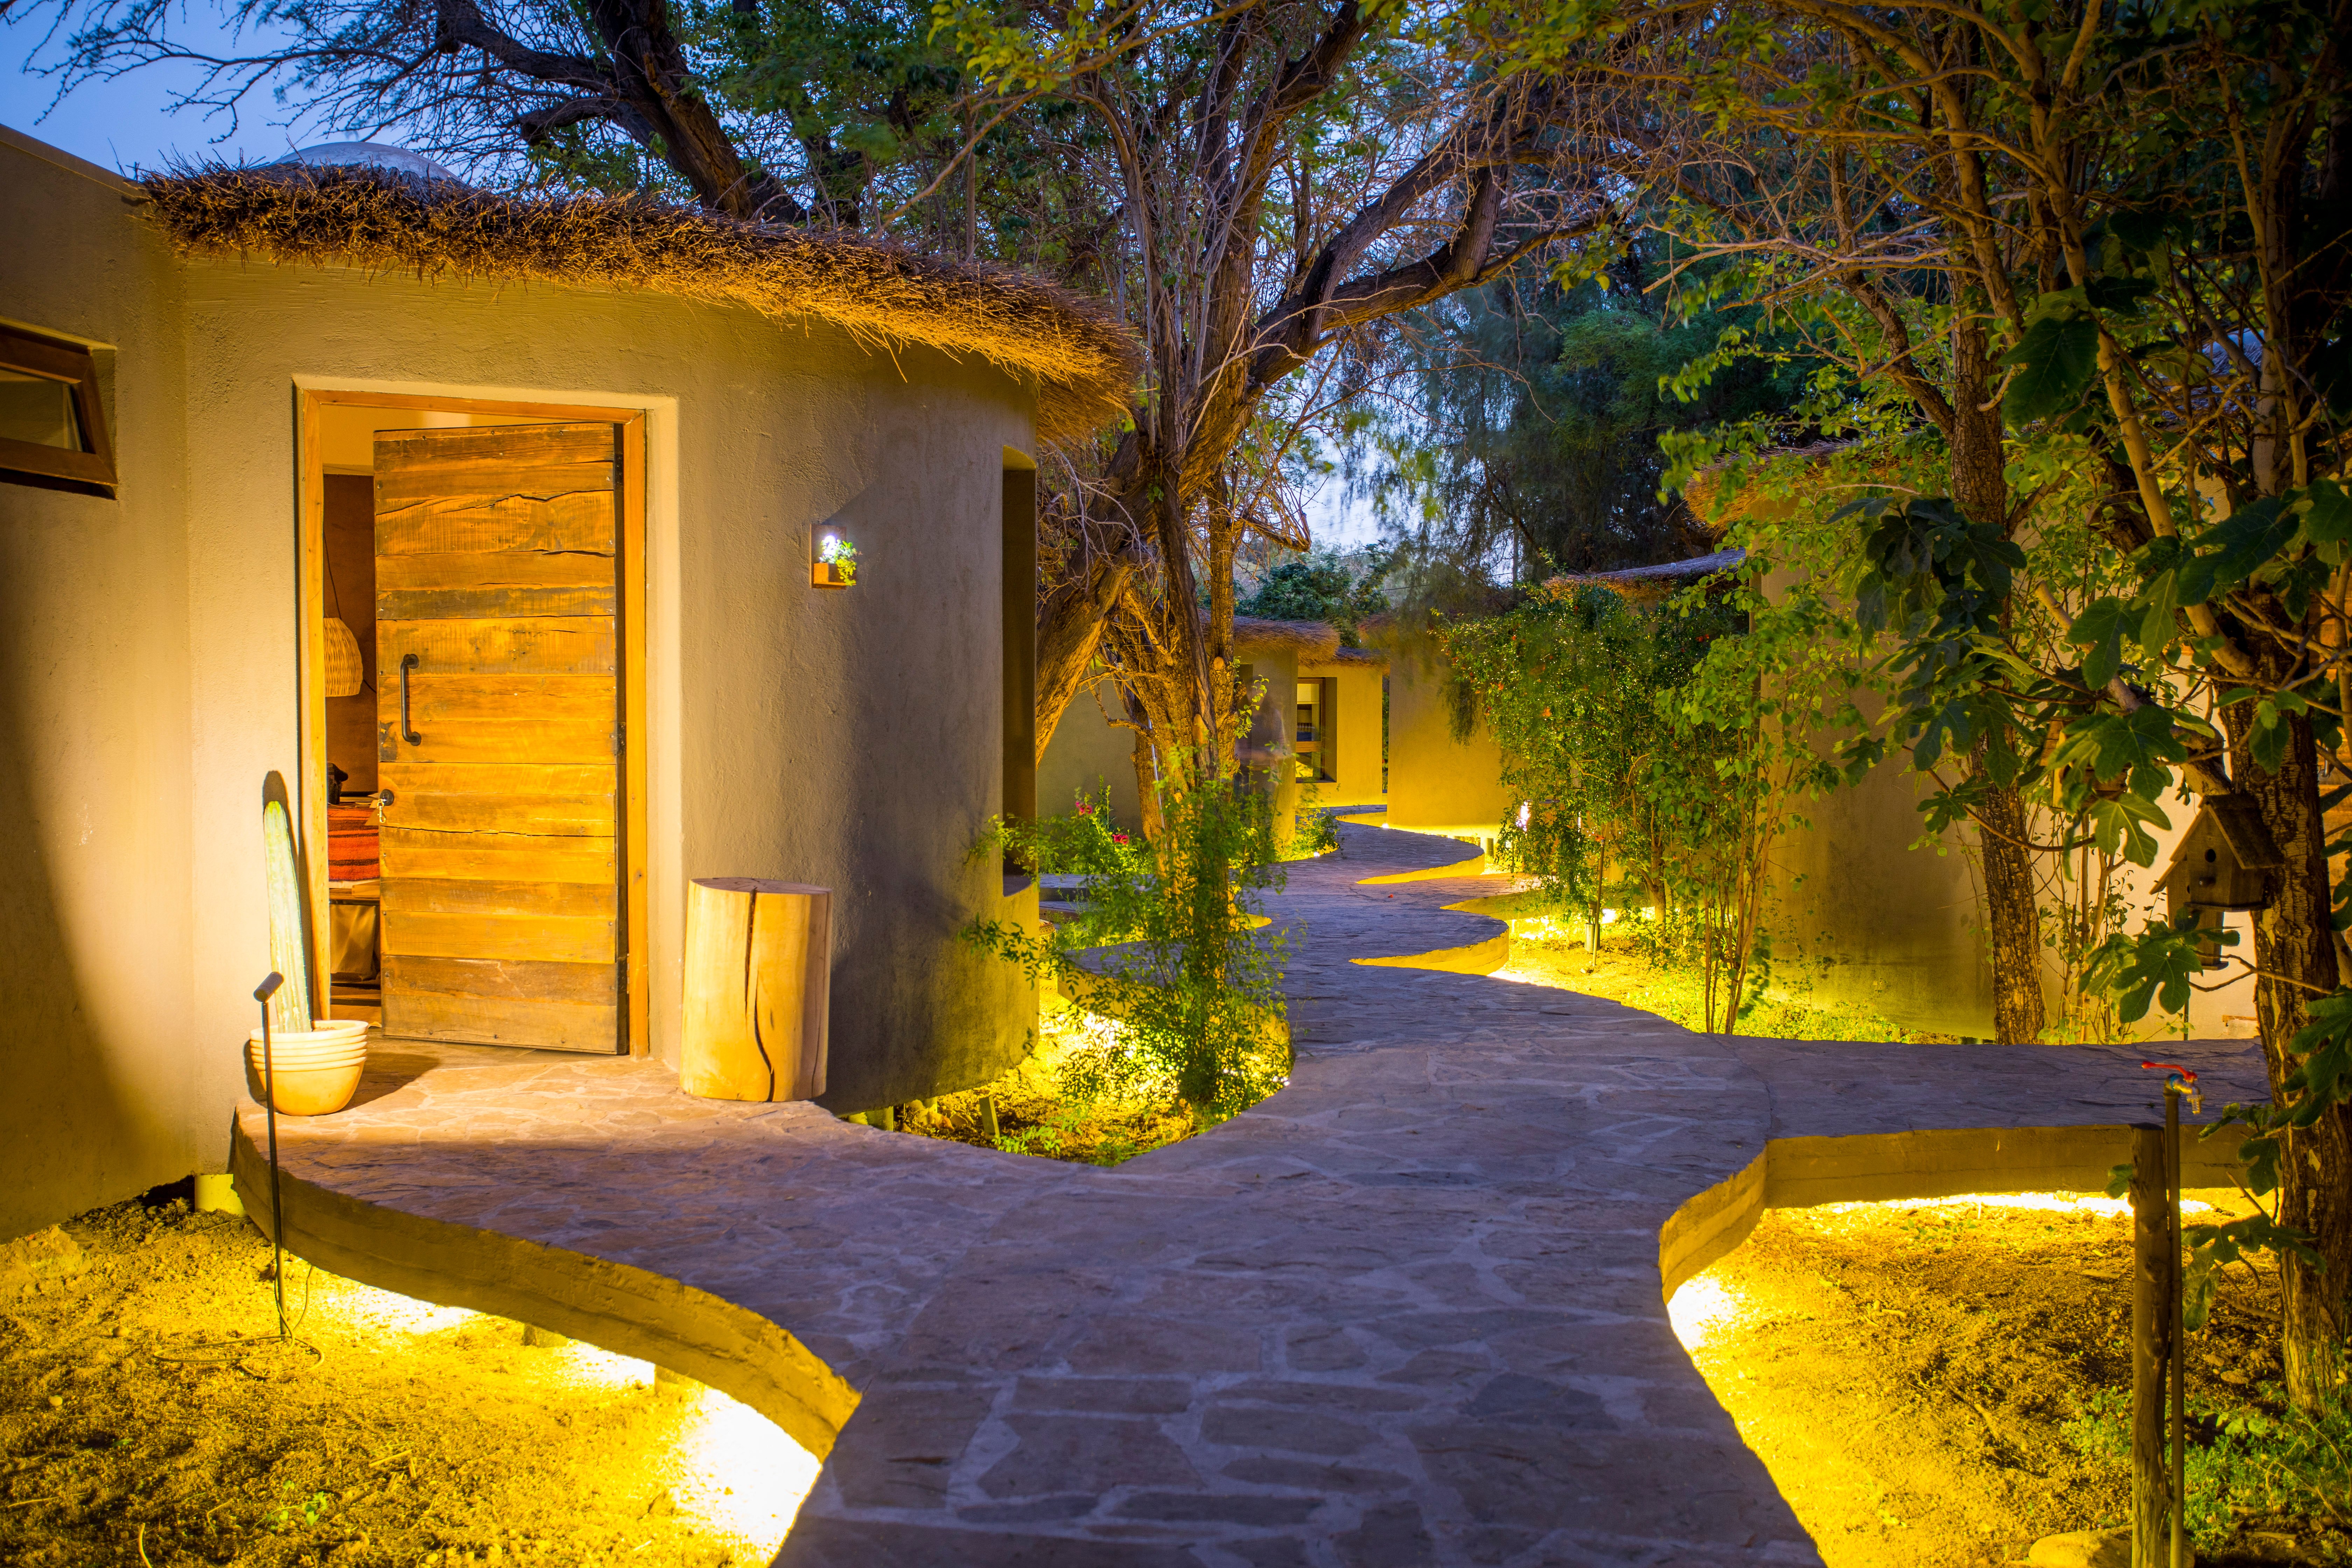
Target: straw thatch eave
x,y
1080,359
1344,658
1648,585
1307,639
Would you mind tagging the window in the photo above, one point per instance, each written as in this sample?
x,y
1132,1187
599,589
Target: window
x,y
1311,731
52,433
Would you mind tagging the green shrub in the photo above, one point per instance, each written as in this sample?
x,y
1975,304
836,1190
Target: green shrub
x,y
1164,942
2262,1458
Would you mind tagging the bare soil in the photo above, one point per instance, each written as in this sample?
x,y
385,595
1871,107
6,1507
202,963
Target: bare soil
x,y
1551,952
406,1434
1942,1384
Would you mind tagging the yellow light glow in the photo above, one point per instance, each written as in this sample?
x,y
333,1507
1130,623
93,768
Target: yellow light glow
x,y
1699,1308
584,1365
724,1463
2088,1205
737,1472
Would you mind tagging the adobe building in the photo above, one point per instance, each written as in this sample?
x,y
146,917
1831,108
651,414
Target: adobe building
x,y
1321,707
574,548
1438,782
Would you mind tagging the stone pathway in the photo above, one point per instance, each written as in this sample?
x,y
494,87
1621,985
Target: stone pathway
x,y
1409,1311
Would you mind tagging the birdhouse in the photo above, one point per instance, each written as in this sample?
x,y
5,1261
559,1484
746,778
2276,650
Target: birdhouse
x,y
2224,864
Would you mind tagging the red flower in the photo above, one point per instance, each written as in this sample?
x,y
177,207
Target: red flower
x,y
1118,838
1085,810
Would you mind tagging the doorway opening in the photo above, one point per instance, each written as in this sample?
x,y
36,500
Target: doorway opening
x,y
473,693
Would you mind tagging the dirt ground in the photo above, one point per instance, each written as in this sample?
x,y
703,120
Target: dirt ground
x,y
412,1435
1943,1384
1546,950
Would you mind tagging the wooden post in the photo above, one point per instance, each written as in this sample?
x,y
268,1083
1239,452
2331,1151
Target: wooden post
x,y
2155,1287
759,964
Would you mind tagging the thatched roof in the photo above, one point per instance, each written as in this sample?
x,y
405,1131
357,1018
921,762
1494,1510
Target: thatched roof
x,y
1082,359
1350,659
1646,583
1718,507
1307,639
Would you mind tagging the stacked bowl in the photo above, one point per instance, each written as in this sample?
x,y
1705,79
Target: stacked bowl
x,y
317,1070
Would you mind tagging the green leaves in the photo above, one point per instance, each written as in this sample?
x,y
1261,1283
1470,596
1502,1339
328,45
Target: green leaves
x,y
2055,365
1921,555
2213,1248
2323,1077
2100,629
2152,967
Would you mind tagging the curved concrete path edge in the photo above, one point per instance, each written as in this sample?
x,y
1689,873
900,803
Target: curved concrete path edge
x,y
1409,1310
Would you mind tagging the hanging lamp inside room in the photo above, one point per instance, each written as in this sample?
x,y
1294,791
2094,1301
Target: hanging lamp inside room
x,y
344,668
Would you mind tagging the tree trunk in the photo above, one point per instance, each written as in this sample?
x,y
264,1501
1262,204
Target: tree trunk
x,y
1069,629
1981,487
2017,1013
2294,942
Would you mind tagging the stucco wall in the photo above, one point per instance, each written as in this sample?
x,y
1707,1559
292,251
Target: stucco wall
x,y
849,739
1436,783
1269,732
1902,930
1359,730
97,737
1862,920
1087,752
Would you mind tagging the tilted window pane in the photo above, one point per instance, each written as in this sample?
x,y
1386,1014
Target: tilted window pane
x,y
36,409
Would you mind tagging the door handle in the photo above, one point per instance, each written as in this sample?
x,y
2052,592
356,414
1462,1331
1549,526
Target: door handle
x,y
408,661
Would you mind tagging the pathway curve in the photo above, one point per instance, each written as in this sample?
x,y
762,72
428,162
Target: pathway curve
x,y
1408,1311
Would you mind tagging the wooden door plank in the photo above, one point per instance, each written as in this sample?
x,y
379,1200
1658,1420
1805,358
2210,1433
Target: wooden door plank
x,y
521,816
504,979
582,644
481,604
526,936
535,475
550,1025
497,778
564,519
491,858
537,901
489,569
462,448
485,740
471,696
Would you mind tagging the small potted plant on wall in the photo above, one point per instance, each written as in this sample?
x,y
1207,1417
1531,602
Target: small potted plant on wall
x,y
835,565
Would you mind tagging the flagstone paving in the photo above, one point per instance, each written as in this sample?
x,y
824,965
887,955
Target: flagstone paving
x,y
1408,1311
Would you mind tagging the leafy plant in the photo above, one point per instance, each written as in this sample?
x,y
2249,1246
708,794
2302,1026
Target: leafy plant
x,y
2243,1460
1166,943
1665,745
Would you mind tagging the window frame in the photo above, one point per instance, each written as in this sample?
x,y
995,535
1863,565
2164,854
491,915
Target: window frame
x,y
90,469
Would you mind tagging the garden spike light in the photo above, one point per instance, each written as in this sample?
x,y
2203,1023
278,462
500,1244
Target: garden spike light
x,y
2180,1083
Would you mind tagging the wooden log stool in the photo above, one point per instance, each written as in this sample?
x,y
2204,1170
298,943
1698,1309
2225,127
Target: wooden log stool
x,y
758,983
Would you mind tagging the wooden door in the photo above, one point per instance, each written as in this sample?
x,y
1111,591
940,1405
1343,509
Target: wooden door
x,y
498,571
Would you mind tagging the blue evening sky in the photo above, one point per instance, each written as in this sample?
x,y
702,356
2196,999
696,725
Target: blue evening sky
x,y
128,124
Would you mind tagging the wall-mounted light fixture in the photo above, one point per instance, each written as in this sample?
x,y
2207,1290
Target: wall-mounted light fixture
x,y
833,559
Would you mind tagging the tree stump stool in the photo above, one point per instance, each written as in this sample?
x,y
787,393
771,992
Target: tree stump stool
x,y
758,983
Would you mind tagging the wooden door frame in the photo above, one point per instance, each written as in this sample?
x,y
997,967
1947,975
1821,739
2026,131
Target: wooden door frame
x,y
310,597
